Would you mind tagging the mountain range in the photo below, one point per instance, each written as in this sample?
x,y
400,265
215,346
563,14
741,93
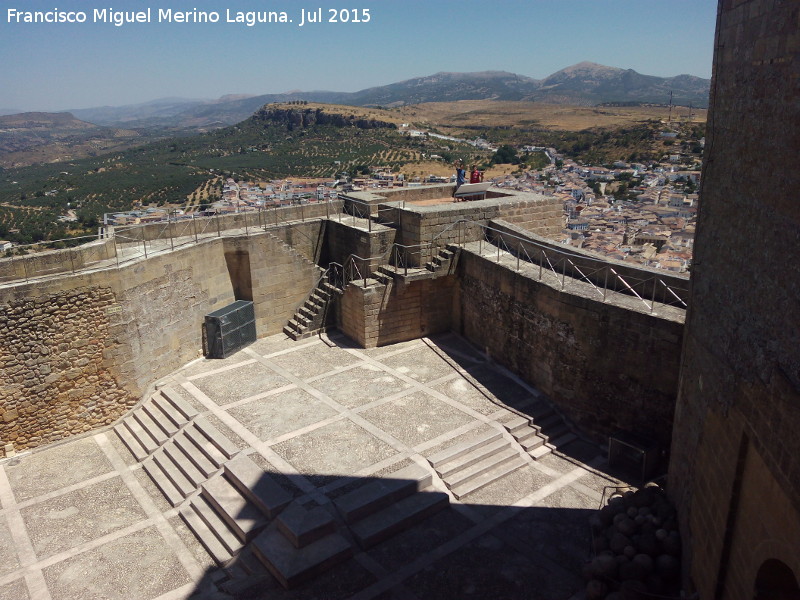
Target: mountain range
x,y
583,84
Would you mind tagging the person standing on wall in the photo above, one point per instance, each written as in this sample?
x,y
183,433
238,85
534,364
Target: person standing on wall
x,y
461,176
476,176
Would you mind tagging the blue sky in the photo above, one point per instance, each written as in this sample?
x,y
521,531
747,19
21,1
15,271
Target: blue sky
x,y
62,65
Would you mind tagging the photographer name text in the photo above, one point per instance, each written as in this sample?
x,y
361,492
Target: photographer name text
x,y
119,18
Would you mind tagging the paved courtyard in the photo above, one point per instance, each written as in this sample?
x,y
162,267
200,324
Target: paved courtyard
x,y
82,520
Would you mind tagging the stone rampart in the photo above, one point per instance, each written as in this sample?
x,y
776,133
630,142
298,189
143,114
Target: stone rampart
x,y
77,351
51,262
649,283
606,367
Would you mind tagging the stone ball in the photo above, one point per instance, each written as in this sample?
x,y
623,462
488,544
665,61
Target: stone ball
x,y
661,534
604,566
632,570
632,512
645,561
626,526
618,542
639,520
596,589
648,544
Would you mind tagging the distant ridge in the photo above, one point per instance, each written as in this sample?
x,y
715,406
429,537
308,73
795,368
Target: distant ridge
x,y
585,83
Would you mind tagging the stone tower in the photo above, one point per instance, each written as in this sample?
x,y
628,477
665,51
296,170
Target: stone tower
x,y
735,470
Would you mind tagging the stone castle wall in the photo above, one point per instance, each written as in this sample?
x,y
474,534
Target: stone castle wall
x,y
386,314
77,351
604,366
735,473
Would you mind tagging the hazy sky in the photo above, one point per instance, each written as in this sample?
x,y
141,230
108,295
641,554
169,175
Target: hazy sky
x,y
57,66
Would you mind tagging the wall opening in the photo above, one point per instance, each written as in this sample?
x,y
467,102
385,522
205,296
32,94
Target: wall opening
x,y
776,581
238,263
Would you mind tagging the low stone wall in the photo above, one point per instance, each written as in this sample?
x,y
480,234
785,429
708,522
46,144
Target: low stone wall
x,y
606,367
52,262
343,239
386,314
649,283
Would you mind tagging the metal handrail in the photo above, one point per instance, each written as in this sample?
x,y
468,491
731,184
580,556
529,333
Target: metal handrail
x,y
558,262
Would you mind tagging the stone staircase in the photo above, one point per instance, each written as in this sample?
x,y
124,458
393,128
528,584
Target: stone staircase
x,y
445,262
468,466
540,435
306,540
313,316
248,523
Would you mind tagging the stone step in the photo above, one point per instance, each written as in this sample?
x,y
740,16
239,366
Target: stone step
x,y
216,524
208,449
207,538
223,444
302,526
397,517
465,461
257,485
183,442
541,451
160,418
380,493
149,426
131,443
457,450
516,423
176,417
479,468
145,439
173,473
488,477
171,493
184,464
292,566
178,402
563,440
532,442
241,516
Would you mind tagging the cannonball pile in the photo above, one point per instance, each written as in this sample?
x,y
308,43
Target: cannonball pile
x,y
637,548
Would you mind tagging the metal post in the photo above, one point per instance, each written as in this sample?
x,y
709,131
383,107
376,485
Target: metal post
x,y
605,284
302,213
246,230
144,244
169,231
563,273
653,298
519,251
216,218
71,261
498,253
541,264
194,228
25,268
116,251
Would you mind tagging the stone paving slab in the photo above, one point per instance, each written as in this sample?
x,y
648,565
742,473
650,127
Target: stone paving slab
x,y
9,562
364,384
270,417
86,514
416,418
138,566
240,383
56,467
16,590
340,448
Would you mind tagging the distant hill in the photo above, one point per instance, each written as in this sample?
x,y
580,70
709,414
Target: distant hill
x,y
584,84
37,137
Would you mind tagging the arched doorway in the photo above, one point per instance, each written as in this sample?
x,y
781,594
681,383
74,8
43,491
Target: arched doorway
x,y
776,581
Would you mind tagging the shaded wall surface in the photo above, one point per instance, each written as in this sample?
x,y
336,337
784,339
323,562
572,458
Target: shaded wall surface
x,y
605,367
738,413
